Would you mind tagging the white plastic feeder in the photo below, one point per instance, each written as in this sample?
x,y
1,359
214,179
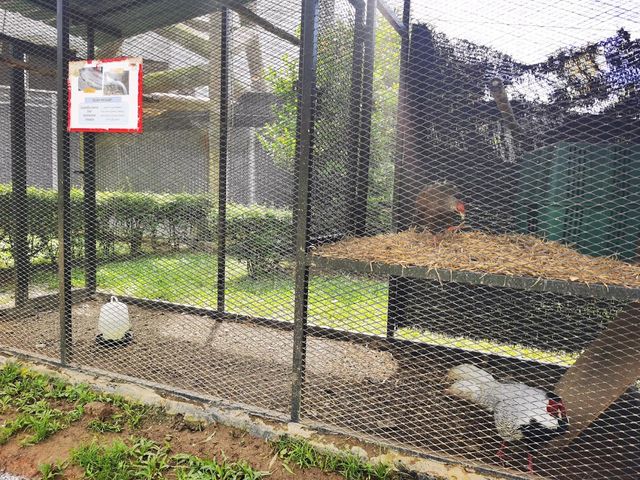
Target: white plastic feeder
x,y
114,323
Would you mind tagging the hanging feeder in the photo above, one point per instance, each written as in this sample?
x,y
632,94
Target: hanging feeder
x,y
114,326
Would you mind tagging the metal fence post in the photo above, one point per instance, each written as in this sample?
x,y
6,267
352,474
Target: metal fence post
x,y
20,206
222,165
355,108
364,131
306,110
64,183
90,206
395,308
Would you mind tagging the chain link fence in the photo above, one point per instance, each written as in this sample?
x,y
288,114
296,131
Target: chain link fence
x,y
418,224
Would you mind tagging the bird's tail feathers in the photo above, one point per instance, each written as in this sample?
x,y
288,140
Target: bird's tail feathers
x,y
467,371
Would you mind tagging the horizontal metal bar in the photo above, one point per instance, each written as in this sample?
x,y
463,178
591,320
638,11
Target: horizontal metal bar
x,y
206,312
262,22
44,303
562,287
78,17
31,48
410,347
391,17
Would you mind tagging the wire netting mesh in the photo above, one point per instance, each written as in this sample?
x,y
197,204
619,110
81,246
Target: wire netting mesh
x,y
472,197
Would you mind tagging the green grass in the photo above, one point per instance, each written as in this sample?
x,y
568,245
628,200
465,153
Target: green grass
x,y
338,301
303,455
131,415
52,471
143,459
190,467
190,278
33,395
146,460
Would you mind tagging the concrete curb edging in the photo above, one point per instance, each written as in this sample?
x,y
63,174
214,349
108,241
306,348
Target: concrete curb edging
x,y
416,467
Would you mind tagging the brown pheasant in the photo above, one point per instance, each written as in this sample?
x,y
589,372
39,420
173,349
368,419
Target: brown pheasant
x,y
439,210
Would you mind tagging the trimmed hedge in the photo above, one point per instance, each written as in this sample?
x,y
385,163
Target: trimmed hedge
x,y
262,237
42,213
130,218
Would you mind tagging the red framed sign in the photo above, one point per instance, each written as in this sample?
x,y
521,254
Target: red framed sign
x,y
105,95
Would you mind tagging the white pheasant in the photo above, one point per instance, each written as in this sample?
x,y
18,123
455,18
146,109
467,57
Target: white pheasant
x,y
520,412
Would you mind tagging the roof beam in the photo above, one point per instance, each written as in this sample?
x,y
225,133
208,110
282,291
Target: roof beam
x,y
260,21
33,48
78,17
391,17
236,6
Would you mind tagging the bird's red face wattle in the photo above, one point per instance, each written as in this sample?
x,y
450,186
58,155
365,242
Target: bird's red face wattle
x,y
556,408
460,208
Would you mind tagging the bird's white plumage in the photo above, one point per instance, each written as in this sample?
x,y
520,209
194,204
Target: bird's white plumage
x,y
510,414
467,371
514,405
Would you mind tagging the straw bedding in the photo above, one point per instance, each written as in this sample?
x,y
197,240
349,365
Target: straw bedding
x,y
510,254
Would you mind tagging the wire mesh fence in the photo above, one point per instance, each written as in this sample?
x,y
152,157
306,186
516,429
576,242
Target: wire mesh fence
x,y
418,224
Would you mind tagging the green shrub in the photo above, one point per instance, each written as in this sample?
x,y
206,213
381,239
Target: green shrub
x,y
184,218
126,217
42,212
130,217
260,236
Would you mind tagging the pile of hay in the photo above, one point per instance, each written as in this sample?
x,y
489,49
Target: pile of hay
x,y
520,255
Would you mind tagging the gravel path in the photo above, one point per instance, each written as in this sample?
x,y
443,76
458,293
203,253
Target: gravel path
x,y
8,476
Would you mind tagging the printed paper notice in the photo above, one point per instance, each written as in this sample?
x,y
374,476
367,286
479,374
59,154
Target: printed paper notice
x,y
105,95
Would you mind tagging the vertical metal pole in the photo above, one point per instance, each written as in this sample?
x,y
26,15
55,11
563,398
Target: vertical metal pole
x,y
401,127
64,183
395,307
306,113
364,137
222,165
90,205
20,234
355,114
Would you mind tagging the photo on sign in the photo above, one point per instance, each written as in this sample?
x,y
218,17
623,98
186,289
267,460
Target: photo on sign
x,y
116,83
90,80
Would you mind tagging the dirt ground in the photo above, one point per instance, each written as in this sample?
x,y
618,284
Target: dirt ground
x,y
393,396
213,441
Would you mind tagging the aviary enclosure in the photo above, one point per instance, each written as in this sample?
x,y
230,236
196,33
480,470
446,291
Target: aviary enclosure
x,y
264,230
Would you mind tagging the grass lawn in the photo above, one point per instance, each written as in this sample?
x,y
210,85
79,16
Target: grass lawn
x,y
73,432
339,301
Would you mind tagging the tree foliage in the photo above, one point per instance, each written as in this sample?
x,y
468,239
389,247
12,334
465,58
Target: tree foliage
x,y
334,134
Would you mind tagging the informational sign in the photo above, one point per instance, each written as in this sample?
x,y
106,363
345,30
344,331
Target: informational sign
x,y
105,95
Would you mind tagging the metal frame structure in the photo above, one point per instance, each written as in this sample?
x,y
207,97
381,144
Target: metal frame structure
x,y
222,166
361,108
19,176
64,183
